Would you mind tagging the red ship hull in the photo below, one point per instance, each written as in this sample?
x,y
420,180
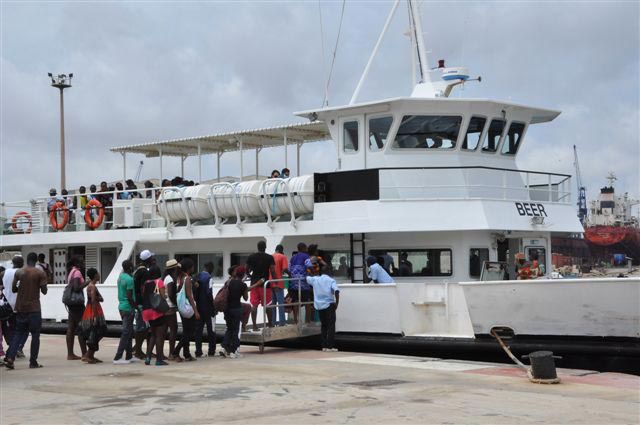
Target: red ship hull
x,y
610,235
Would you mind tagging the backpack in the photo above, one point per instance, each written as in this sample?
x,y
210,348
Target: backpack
x,y
221,300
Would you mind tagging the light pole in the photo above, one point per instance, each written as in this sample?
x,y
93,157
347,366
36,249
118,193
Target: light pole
x,y
61,82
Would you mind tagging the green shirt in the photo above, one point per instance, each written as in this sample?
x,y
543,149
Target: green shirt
x,y
125,283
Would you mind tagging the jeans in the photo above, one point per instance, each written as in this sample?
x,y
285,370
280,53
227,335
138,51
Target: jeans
x,y
231,340
8,329
188,331
278,298
26,323
205,319
126,337
328,326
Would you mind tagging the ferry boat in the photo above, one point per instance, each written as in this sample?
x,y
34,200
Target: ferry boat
x,y
427,181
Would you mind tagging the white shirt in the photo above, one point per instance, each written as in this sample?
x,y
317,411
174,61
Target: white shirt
x,y
7,281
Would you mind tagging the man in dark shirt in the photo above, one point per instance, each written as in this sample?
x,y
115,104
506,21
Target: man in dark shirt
x,y
204,302
28,313
260,266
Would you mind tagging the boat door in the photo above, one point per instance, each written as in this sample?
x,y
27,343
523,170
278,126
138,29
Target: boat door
x,y
352,154
536,249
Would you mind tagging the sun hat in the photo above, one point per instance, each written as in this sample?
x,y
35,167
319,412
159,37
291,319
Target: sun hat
x,y
146,254
172,264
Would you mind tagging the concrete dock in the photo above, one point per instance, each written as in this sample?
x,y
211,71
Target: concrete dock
x,y
304,386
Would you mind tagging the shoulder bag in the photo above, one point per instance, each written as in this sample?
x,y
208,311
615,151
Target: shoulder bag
x,y
158,302
184,306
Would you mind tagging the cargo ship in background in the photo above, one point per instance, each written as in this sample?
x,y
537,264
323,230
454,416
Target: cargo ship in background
x,y
612,232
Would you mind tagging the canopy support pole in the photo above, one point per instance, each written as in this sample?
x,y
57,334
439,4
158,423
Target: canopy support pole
x,y
124,167
258,162
182,159
199,163
241,159
286,151
218,154
298,146
161,175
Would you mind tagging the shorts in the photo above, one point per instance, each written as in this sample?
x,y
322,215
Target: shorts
x,y
157,322
75,313
256,297
306,295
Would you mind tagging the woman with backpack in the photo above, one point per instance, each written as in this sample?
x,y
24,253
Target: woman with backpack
x,y
76,283
153,311
187,308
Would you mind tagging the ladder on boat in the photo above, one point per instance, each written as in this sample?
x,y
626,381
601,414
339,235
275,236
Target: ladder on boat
x,y
358,256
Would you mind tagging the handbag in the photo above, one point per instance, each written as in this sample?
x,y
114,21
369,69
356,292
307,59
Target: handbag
x,y
158,302
184,306
139,324
221,300
5,308
72,298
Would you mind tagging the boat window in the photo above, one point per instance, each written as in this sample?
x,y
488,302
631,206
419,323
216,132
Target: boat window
x,y
427,132
415,262
239,259
216,259
493,135
350,136
537,255
512,140
477,256
339,262
378,132
474,132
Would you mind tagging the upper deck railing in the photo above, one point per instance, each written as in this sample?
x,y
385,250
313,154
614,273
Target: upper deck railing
x,y
394,185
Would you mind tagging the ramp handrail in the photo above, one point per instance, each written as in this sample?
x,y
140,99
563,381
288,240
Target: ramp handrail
x,y
299,303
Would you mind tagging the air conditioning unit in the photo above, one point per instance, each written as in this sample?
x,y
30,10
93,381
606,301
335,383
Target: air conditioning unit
x,y
128,213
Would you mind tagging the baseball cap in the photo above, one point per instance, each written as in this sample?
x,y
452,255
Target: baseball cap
x,y
146,254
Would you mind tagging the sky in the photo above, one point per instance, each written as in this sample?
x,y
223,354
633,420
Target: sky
x,y
149,71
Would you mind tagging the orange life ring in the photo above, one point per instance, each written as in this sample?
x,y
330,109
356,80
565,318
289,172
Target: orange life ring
x,y
93,204
53,215
14,222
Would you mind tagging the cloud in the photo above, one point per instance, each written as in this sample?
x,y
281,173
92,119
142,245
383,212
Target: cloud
x,y
155,71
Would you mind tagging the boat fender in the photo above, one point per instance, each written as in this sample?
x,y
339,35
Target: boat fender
x,y
53,216
14,222
93,204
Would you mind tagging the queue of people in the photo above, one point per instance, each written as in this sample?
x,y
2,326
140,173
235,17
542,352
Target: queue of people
x,y
149,304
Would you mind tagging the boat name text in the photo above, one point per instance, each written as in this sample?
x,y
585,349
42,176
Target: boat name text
x,y
531,209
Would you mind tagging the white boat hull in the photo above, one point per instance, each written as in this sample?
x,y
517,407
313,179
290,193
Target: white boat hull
x,y
563,307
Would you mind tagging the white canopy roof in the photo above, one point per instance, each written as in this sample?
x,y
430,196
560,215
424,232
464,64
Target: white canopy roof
x,y
227,142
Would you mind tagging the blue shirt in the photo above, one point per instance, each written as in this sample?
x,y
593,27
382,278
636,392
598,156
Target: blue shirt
x,y
379,274
324,288
298,271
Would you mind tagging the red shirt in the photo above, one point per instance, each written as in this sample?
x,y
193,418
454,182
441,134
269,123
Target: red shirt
x,y
281,264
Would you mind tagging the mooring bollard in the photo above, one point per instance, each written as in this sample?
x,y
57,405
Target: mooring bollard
x,y
543,367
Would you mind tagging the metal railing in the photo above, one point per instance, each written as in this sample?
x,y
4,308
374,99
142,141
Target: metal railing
x,y
33,216
473,182
298,304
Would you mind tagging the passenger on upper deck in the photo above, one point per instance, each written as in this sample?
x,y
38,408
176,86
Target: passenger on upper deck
x,y
54,197
275,174
83,197
285,173
132,189
121,193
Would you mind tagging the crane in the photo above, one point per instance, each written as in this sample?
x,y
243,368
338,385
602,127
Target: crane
x,y
582,192
140,171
